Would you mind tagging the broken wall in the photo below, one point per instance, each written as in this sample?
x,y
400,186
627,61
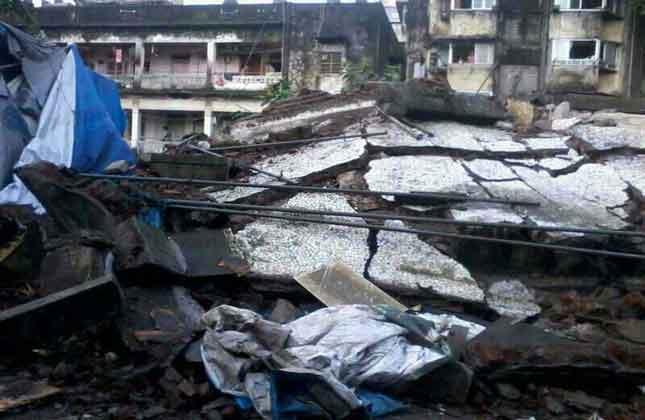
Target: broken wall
x,y
417,48
522,29
470,78
356,31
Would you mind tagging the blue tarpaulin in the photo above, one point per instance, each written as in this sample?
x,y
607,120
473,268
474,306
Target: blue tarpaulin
x,y
80,121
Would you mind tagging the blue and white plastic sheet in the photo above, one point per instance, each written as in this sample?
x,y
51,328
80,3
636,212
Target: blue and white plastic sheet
x,y
81,121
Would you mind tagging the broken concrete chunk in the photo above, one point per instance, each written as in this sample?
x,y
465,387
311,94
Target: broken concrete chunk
x,y
326,159
504,146
600,139
512,299
140,245
72,209
208,254
504,125
561,111
421,173
275,247
582,197
474,212
399,136
71,264
454,135
337,284
630,169
548,144
406,264
565,124
284,311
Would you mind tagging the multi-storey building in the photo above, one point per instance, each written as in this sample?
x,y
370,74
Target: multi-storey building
x,y
181,68
527,47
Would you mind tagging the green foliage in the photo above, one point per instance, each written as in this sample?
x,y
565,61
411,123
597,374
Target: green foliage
x,y
638,6
392,73
356,75
277,91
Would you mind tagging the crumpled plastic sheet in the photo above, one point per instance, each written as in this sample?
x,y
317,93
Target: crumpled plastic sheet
x,y
347,347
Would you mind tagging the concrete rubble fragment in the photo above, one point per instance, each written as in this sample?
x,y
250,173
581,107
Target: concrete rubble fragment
x,y
409,265
218,311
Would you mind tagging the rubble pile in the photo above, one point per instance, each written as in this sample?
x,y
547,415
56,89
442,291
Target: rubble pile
x,y
332,261
136,298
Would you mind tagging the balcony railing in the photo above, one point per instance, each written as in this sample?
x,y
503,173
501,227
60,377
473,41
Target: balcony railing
x,y
228,81
124,80
245,81
174,81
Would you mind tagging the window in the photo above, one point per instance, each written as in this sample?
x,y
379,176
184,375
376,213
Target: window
x,y
474,53
580,4
609,55
331,63
473,4
567,51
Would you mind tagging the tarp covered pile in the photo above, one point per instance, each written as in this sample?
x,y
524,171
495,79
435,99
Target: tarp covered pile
x,y
53,108
325,362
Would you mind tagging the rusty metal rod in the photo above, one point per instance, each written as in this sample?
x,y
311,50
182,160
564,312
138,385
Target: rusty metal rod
x,y
303,188
563,248
421,219
295,142
241,164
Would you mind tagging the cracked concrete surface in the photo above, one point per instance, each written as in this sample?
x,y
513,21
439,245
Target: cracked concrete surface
x,y
574,189
421,173
406,263
285,248
299,165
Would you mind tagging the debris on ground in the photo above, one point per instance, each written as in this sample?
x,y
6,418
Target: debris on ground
x,y
369,254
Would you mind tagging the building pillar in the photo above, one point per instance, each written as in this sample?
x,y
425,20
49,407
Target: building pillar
x,y
211,57
140,60
135,127
208,122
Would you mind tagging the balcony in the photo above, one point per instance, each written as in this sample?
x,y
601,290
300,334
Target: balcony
x,y
161,81
125,81
245,81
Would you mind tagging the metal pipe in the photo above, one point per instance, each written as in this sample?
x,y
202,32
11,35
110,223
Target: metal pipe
x,y
299,188
420,232
423,219
243,165
295,142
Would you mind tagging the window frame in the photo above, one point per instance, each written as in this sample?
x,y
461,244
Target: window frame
x,y
331,65
492,7
602,8
556,60
491,55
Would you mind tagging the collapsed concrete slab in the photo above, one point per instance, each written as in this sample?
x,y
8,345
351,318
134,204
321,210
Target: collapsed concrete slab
x,y
603,139
285,248
421,173
631,169
581,198
305,164
409,265
304,112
